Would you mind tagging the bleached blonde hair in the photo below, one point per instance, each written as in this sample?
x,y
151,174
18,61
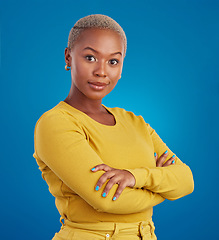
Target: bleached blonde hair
x,y
97,21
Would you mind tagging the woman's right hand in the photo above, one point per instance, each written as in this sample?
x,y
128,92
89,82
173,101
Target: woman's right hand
x,y
113,176
160,161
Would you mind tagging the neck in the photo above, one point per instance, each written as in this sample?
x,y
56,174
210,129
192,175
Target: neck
x,y
79,101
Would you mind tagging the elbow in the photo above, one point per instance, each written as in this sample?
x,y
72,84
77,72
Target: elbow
x,y
184,188
189,182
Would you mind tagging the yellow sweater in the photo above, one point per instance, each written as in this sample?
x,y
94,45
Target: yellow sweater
x,y
68,144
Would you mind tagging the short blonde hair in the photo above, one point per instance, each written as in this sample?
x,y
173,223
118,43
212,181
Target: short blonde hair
x,y
98,21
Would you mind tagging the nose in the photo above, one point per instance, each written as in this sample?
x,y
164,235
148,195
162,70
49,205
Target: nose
x,y
100,70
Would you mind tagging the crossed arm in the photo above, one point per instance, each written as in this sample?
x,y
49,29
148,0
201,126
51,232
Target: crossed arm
x,y
125,178
172,181
67,153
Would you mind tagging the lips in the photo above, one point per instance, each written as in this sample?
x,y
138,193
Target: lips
x,y
98,85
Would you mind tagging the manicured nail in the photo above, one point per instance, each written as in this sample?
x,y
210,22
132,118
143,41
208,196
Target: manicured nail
x,y
173,161
114,198
155,154
173,156
97,188
166,152
104,194
93,169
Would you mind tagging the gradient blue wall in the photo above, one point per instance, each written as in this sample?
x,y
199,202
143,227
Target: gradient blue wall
x,y
170,77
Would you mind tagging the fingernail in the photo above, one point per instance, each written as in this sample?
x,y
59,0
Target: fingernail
x,y
173,161
93,169
104,194
97,188
173,156
155,154
114,198
166,152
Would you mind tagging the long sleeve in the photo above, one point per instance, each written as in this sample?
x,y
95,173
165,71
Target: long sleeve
x,y
62,145
171,182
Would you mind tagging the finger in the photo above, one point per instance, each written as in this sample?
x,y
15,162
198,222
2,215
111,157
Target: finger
x,y
156,156
103,167
171,161
119,190
103,179
109,185
162,159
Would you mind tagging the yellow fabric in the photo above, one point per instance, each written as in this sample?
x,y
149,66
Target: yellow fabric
x,y
68,144
107,230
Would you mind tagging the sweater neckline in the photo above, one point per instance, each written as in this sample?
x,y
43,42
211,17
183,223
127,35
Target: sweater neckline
x,y
87,116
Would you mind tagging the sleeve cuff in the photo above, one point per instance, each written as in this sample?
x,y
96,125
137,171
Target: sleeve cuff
x,y
140,175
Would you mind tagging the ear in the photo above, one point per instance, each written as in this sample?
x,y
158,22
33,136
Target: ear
x,y
68,57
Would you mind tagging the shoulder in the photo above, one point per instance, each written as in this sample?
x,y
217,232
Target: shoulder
x,y
58,116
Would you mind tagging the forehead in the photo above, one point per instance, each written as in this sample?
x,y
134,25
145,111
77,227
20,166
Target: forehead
x,y
102,40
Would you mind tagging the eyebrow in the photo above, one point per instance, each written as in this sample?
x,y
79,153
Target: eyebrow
x,y
89,48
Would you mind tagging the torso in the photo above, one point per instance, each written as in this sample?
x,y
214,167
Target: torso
x,y
126,145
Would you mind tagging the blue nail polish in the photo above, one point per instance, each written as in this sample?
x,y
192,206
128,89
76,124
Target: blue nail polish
x,y
93,169
173,161
104,194
166,151
173,156
114,198
155,154
97,188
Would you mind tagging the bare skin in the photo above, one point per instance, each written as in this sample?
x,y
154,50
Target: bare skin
x,y
160,162
96,62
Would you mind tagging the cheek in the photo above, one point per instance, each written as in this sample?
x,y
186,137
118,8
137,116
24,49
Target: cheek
x,y
115,74
80,71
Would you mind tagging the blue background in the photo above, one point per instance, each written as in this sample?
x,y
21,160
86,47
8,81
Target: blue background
x,y
170,77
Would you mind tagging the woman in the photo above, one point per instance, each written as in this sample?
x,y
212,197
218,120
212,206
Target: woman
x,y
106,167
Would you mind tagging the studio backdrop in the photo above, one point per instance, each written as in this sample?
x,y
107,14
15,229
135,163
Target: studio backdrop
x,y
170,77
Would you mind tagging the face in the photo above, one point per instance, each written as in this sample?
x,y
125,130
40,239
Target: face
x,y
96,62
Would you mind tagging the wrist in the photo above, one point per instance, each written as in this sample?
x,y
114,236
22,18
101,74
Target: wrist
x,y
132,179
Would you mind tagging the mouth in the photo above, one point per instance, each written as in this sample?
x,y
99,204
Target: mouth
x,y
98,85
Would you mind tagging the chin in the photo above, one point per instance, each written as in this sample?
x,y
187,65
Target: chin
x,y
96,96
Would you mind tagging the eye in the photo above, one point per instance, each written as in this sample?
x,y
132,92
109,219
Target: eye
x,y
90,58
113,61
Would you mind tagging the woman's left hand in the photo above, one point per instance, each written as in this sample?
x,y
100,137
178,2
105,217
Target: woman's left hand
x,y
116,176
